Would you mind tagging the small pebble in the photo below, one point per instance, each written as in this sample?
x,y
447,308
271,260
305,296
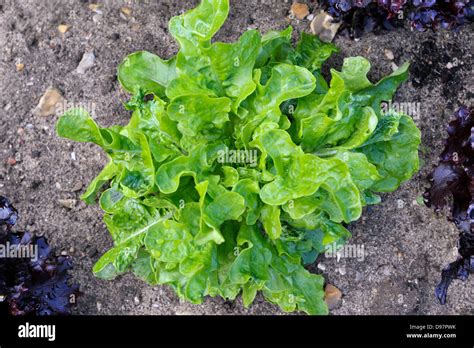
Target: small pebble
x,y
73,156
400,203
48,102
67,203
324,26
87,62
11,161
389,54
19,66
95,8
333,296
300,11
63,28
99,306
321,266
126,10
136,300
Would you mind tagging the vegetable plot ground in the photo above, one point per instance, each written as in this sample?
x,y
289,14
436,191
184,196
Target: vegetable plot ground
x,y
405,245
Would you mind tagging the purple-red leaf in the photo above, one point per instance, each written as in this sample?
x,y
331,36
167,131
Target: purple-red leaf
x,y
38,282
359,16
452,183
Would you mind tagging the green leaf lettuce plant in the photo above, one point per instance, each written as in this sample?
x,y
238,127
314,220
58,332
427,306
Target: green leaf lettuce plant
x,y
240,163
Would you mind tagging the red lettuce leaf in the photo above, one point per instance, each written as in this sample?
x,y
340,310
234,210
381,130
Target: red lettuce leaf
x,y
360,16
452,183
32,286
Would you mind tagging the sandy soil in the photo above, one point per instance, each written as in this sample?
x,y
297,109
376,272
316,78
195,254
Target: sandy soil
x,y
406,244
